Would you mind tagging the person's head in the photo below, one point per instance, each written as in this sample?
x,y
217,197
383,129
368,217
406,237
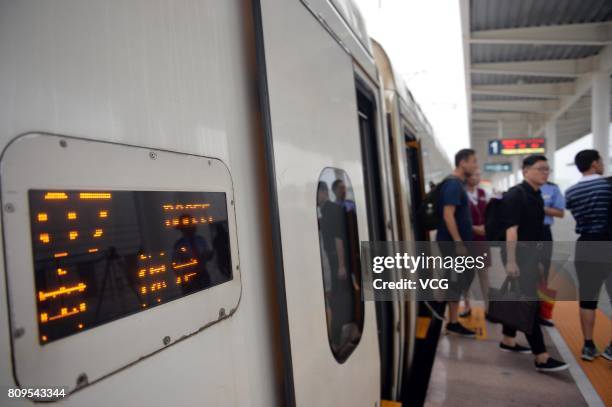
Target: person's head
x,y
466,161
536,169
474,179
339,188
589,162
322,193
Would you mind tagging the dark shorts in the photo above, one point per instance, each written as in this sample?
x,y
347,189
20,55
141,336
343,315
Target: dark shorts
x,y
458,283
591,273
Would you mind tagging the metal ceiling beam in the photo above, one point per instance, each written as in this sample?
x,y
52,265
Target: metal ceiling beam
x,y
547,90
567,68
506,124
540,106
569,34
505,116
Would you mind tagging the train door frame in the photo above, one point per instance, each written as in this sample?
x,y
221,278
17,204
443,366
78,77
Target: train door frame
x,y
388,314
414,151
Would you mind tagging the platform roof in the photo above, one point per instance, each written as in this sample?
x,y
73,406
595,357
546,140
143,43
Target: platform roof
x,y
530,61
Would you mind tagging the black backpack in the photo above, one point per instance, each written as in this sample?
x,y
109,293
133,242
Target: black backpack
x,y
495,227
428,212
495,230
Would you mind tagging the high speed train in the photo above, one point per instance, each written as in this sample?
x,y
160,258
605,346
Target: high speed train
x,y
184,187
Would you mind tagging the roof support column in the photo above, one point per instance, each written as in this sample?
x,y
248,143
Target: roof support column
x,y
600,114
550,132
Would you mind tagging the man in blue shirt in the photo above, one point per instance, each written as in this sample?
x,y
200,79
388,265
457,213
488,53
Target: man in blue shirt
x,y
590,201
456,226
554,205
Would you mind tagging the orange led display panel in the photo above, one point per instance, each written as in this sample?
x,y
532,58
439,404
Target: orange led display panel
x,y
104,255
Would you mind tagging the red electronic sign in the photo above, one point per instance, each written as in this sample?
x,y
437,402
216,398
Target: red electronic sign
x,y
513,146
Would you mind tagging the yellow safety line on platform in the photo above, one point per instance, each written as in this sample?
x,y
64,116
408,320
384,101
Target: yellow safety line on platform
x,y
422,326
599,371
387,403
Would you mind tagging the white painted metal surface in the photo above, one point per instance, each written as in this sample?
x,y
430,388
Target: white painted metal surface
x,y
174,76
314,125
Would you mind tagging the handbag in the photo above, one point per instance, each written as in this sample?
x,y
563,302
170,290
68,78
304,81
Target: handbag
x,y
510,307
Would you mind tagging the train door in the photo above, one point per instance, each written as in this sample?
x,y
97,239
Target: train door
x,y
417,188
316,176
387,314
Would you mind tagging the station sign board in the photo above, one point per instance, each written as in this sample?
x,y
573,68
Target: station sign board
x,y
498,167
517,146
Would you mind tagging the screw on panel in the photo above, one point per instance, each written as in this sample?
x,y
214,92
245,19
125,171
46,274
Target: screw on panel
x,y
152,155
18,333
166,340
221,313
82,380
63,143
9,208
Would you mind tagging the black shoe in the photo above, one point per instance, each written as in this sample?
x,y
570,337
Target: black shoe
x,y
458,329
515,349
551,365
466,313
546,322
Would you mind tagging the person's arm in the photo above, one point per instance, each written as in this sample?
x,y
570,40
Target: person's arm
x,y
341,258
511,238
512,206
478,230
555,212
558,205
451,224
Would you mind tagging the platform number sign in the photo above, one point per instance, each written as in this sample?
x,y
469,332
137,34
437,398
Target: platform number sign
x,y
495,147
517,146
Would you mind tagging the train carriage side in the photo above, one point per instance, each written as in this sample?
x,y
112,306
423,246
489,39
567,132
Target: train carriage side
x,y
104,104
327,129
238,151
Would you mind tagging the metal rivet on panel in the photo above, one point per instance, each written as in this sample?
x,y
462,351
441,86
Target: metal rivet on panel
x,y
18,333
9,208
152,155
166,340
232,202
63,143
221,313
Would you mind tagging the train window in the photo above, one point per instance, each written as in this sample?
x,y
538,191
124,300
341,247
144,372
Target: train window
x,y
339,245
102,255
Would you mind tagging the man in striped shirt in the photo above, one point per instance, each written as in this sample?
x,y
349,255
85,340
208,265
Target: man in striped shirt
x,y
590,201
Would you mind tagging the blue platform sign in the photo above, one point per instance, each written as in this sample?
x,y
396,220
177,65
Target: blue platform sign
x,y
495,147
498,167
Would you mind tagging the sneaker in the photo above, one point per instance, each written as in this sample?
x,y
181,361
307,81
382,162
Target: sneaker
x,y
551,365
466,313
458,329
546,322
589,353
607,354
515,349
